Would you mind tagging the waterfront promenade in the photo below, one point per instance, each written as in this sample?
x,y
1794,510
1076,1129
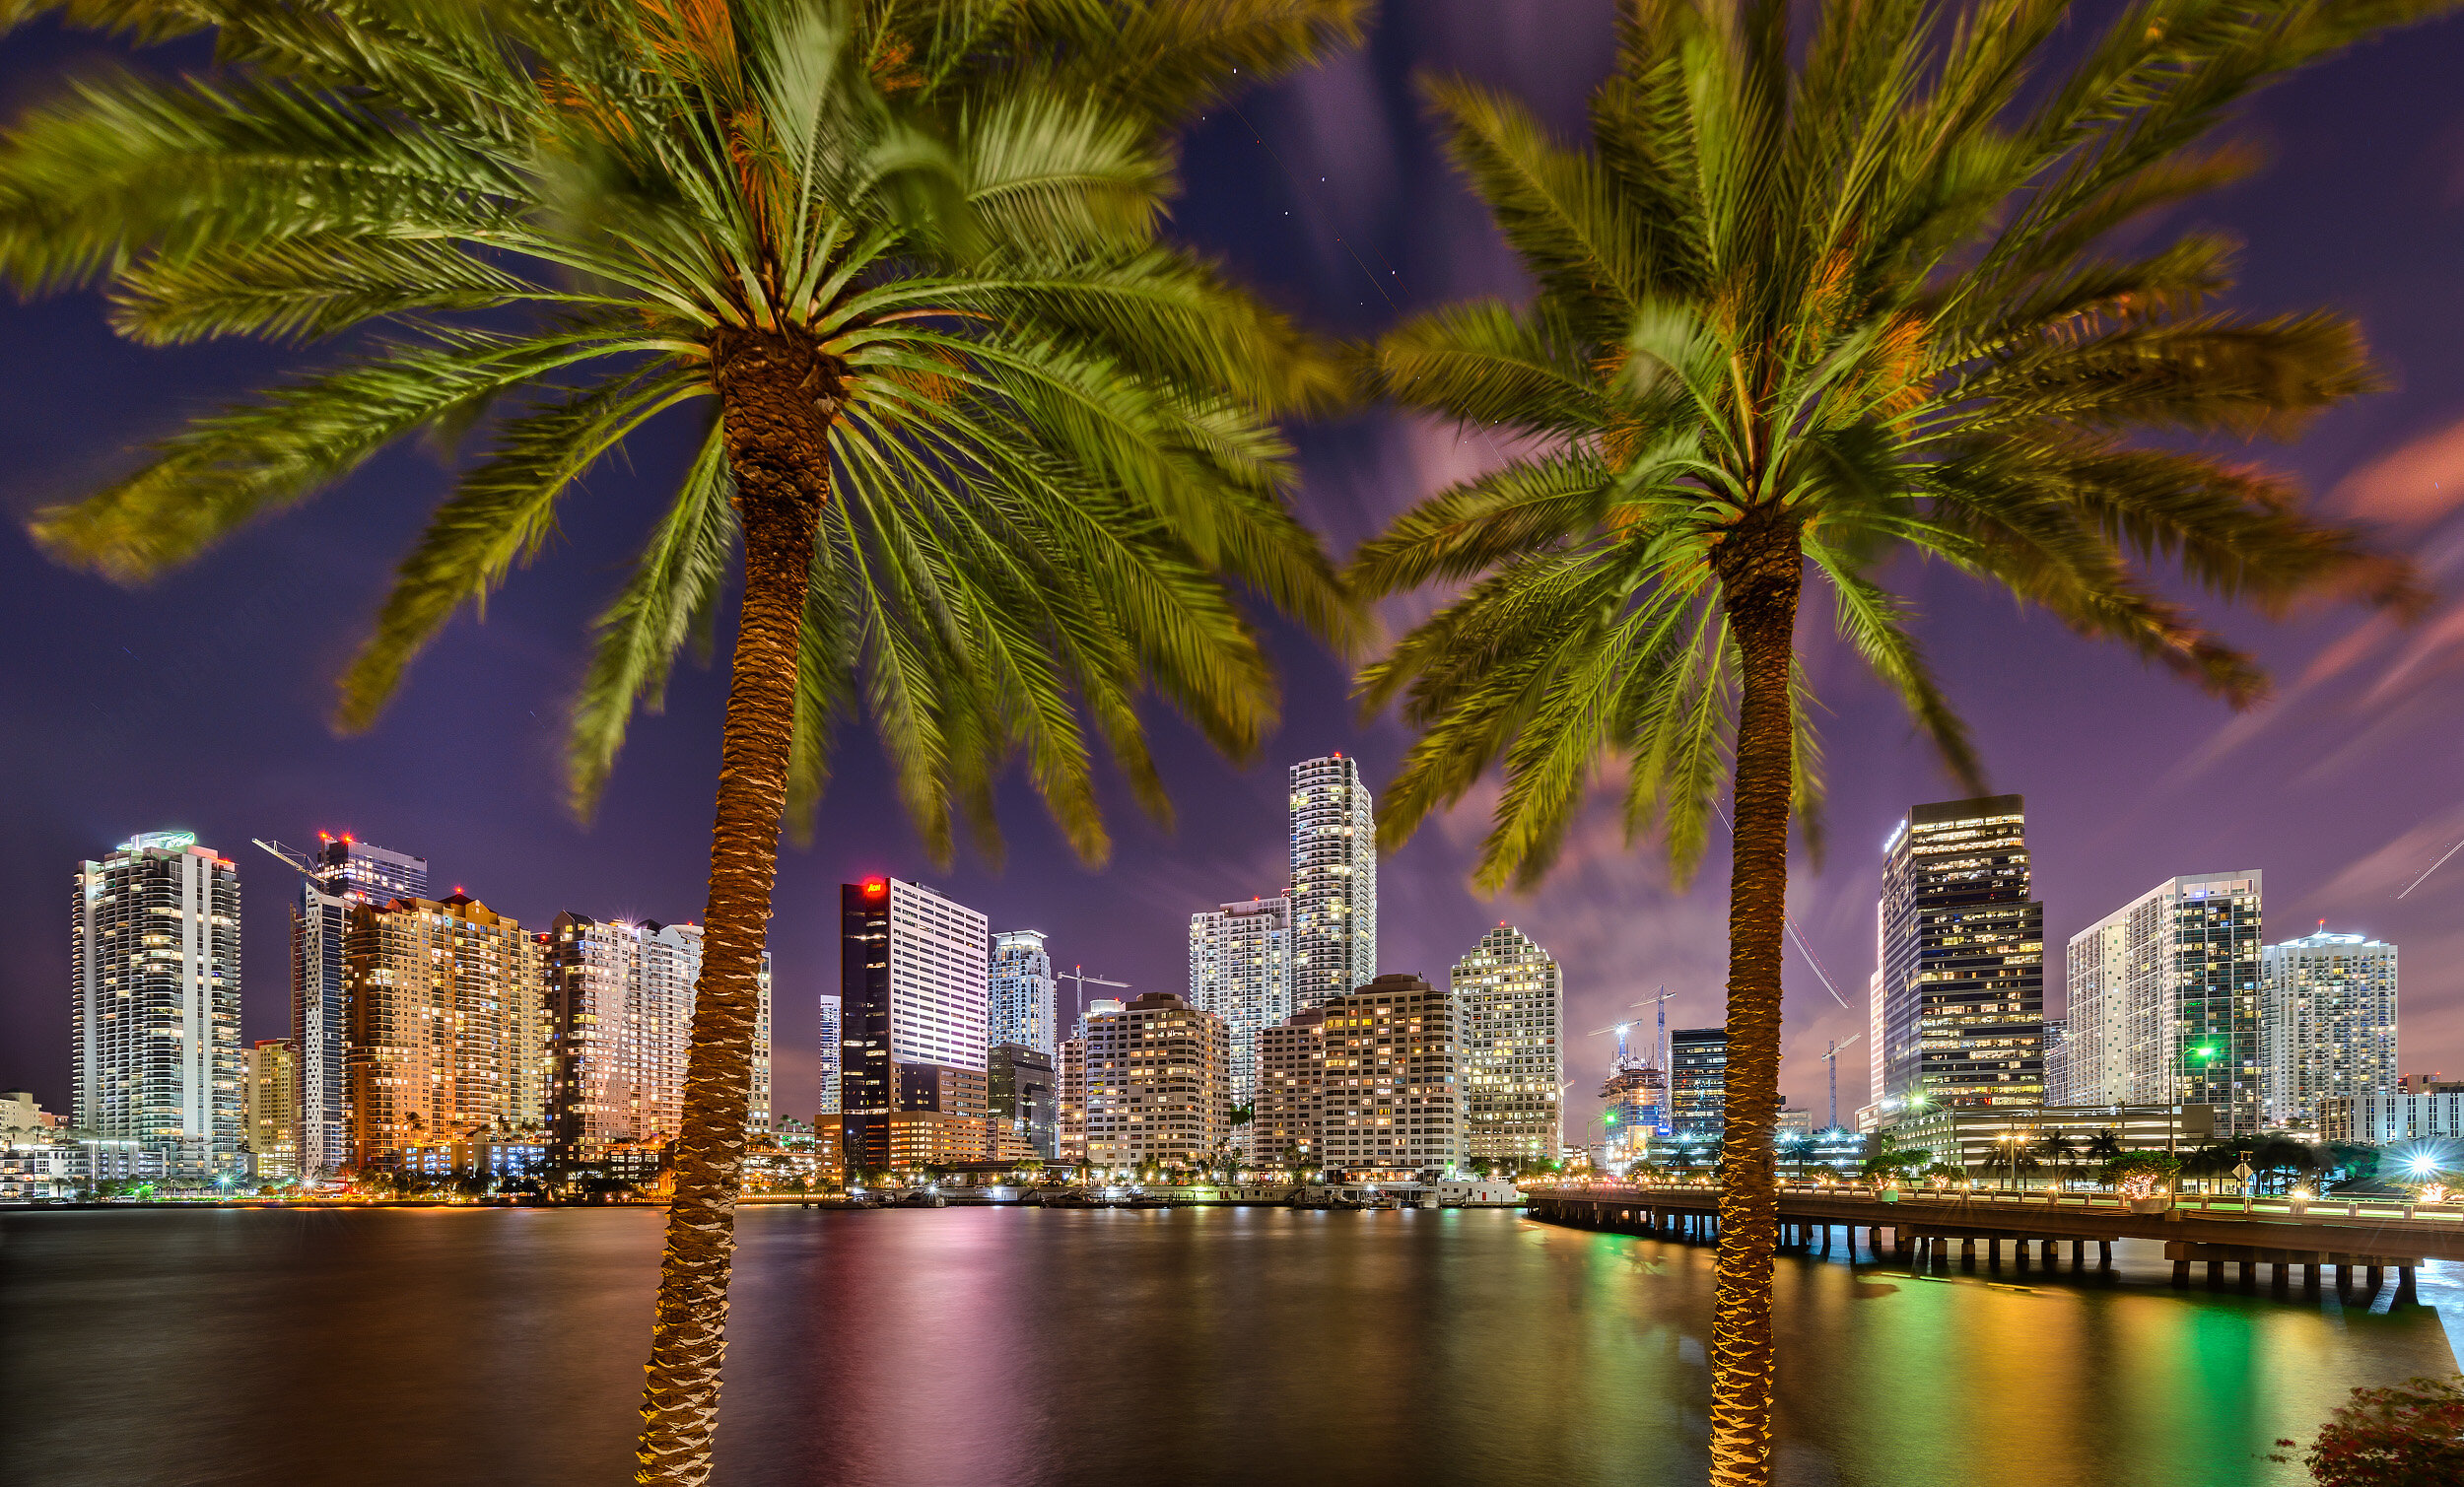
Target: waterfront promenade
x,y
1919,1226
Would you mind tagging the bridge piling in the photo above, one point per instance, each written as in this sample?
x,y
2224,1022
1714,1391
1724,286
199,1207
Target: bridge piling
x,y
2248,1279
2406,1296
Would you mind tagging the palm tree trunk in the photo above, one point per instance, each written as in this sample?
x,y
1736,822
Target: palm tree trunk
x,y
776,396
1760,569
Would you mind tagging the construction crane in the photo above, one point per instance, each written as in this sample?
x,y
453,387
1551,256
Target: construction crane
x,y
1078,974
289,857
1831,1056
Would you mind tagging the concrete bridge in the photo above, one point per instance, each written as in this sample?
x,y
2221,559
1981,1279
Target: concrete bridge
x,y
1920,1227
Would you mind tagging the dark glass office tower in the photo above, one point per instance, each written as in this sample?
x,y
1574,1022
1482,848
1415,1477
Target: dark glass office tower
x,y
867,1083
1963,986
1698,1083
1023,1091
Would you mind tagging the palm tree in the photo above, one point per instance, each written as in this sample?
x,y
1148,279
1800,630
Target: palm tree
x,y
1827,304
993,450
2056,1149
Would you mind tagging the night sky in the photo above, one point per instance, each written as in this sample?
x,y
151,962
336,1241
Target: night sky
x,y
200,703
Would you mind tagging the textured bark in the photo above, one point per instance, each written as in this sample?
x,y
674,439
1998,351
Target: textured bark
x,y
1761,569
778,396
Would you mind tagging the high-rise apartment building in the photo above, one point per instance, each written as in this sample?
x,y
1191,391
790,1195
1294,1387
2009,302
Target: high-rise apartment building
x,y
1069,1135
1963,987
155,946
371,874
448,1029
1022,1005
1392,1101
2327,1023
1698,1083
1510,996
620,997
913,973
2164,1001
1334,880
1240,970
1291,1091
832,1032
271,1107
339,872
1024,1092
1158,1086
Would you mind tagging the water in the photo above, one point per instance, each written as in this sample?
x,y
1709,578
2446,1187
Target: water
x,y
918,1348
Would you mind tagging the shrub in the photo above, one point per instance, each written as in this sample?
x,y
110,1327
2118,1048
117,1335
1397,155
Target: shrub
x,y
2409,1436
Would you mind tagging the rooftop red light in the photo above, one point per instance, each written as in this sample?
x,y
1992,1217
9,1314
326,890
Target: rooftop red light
x,y
876,887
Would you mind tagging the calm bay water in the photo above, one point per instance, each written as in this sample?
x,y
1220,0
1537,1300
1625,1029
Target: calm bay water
x,y
1001,1346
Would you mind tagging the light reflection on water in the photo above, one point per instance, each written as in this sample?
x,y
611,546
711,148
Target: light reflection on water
x,y
987,1346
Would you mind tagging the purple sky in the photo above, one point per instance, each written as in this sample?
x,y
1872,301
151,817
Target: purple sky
x,y
200,703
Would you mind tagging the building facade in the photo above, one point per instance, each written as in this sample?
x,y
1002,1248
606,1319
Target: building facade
x,y
1240,970
2382,1116
1698,1084
1334,880
913,970
1962,1011
2057,1060
1290,1101
448,1033
1158,1085
1069,1137
1022,999
2327,1022
832,1030
339,872
1023,1090
155,949
1976,1138
619,1003
1391,1095
271,1110
2164,1001
1511,999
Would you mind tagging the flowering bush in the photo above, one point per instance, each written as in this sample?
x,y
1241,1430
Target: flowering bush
x,y
2142,1174
2408,1436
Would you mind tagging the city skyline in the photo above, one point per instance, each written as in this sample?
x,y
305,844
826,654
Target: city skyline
x,y
2356,205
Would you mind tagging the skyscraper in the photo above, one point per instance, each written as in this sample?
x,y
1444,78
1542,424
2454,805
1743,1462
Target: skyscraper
x,y
1291,1091
271,1107
1157,1085
1962,988
2057,1060
345,864
832,1032
447,1032
339,872
1698,1083
1392,1101
1023,1093
912,973
1023,1007
1334,880
154,942
1509,994
2327,1022
1240,970
620,997
2164,1000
